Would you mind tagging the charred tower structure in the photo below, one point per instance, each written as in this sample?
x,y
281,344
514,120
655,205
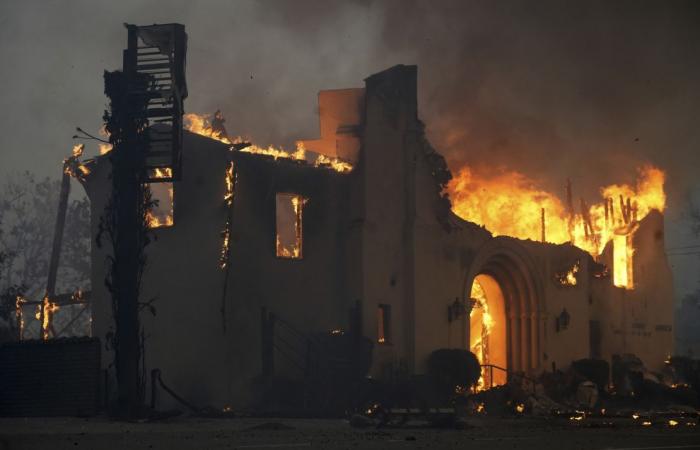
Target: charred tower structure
x,y
145,126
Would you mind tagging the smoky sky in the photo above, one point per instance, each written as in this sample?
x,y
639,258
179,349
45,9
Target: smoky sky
x,y
586,90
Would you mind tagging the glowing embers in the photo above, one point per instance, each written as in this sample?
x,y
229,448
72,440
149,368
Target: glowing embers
x,y
230,184
622,261
160,213
230,180
384,324
487,331
289,209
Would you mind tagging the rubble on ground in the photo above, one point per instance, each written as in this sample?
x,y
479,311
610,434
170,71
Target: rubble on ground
x,y
583,396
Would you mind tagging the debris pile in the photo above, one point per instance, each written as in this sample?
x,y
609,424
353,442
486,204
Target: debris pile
x,y
584,395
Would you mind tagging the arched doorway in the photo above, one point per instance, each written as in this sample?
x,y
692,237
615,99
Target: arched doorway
x,y
487,329
504,278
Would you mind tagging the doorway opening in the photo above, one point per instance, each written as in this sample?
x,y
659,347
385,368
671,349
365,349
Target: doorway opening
x,y
487,331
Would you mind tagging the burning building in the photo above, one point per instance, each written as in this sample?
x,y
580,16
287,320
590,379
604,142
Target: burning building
x,y
355,232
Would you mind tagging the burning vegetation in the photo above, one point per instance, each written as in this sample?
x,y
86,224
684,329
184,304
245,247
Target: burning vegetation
x,y
510,204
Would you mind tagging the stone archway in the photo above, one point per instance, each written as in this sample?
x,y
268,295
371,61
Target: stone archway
x,y
512,289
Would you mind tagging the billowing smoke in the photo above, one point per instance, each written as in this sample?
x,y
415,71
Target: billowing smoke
x,y
555,90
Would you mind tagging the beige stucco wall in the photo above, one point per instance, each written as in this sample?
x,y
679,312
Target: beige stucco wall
x,y
374,236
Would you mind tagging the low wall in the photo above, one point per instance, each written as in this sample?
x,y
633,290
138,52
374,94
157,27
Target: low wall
x,y
55,378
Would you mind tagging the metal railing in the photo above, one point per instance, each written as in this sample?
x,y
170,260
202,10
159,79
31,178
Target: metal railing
x,y
510,375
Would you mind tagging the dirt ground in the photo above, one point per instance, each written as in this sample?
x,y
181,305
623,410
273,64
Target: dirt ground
x,y
246,433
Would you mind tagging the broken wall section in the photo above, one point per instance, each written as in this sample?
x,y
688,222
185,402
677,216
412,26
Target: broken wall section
x,y
341,113
638,321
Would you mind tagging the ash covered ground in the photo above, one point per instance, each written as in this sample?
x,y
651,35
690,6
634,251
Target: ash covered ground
x,y
270,433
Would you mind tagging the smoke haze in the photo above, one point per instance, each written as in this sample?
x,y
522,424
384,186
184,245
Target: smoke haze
x,y
581,90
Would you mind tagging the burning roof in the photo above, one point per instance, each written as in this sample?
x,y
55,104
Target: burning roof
x,y
510,204
212,127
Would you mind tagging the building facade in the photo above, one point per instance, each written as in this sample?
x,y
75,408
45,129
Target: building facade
x,y
376,250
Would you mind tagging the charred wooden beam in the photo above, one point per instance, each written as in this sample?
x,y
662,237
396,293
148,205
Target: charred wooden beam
x,y
542,220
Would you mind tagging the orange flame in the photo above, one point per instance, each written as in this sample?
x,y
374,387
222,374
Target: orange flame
x,y
162,173
510,204
294,250
48,308
201,124
104,148
162,215
72,165
19,314
569,278
78,150
479,342
230,181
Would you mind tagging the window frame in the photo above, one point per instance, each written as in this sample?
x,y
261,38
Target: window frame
x,y
300,217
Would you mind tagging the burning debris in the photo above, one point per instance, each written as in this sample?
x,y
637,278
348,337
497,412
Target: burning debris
x,y
73,167
568,278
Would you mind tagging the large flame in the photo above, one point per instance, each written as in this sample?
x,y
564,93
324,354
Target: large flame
x,y
510,204
202,124
479,338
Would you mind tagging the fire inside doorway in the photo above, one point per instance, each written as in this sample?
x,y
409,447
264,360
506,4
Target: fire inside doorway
x,y
487,330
